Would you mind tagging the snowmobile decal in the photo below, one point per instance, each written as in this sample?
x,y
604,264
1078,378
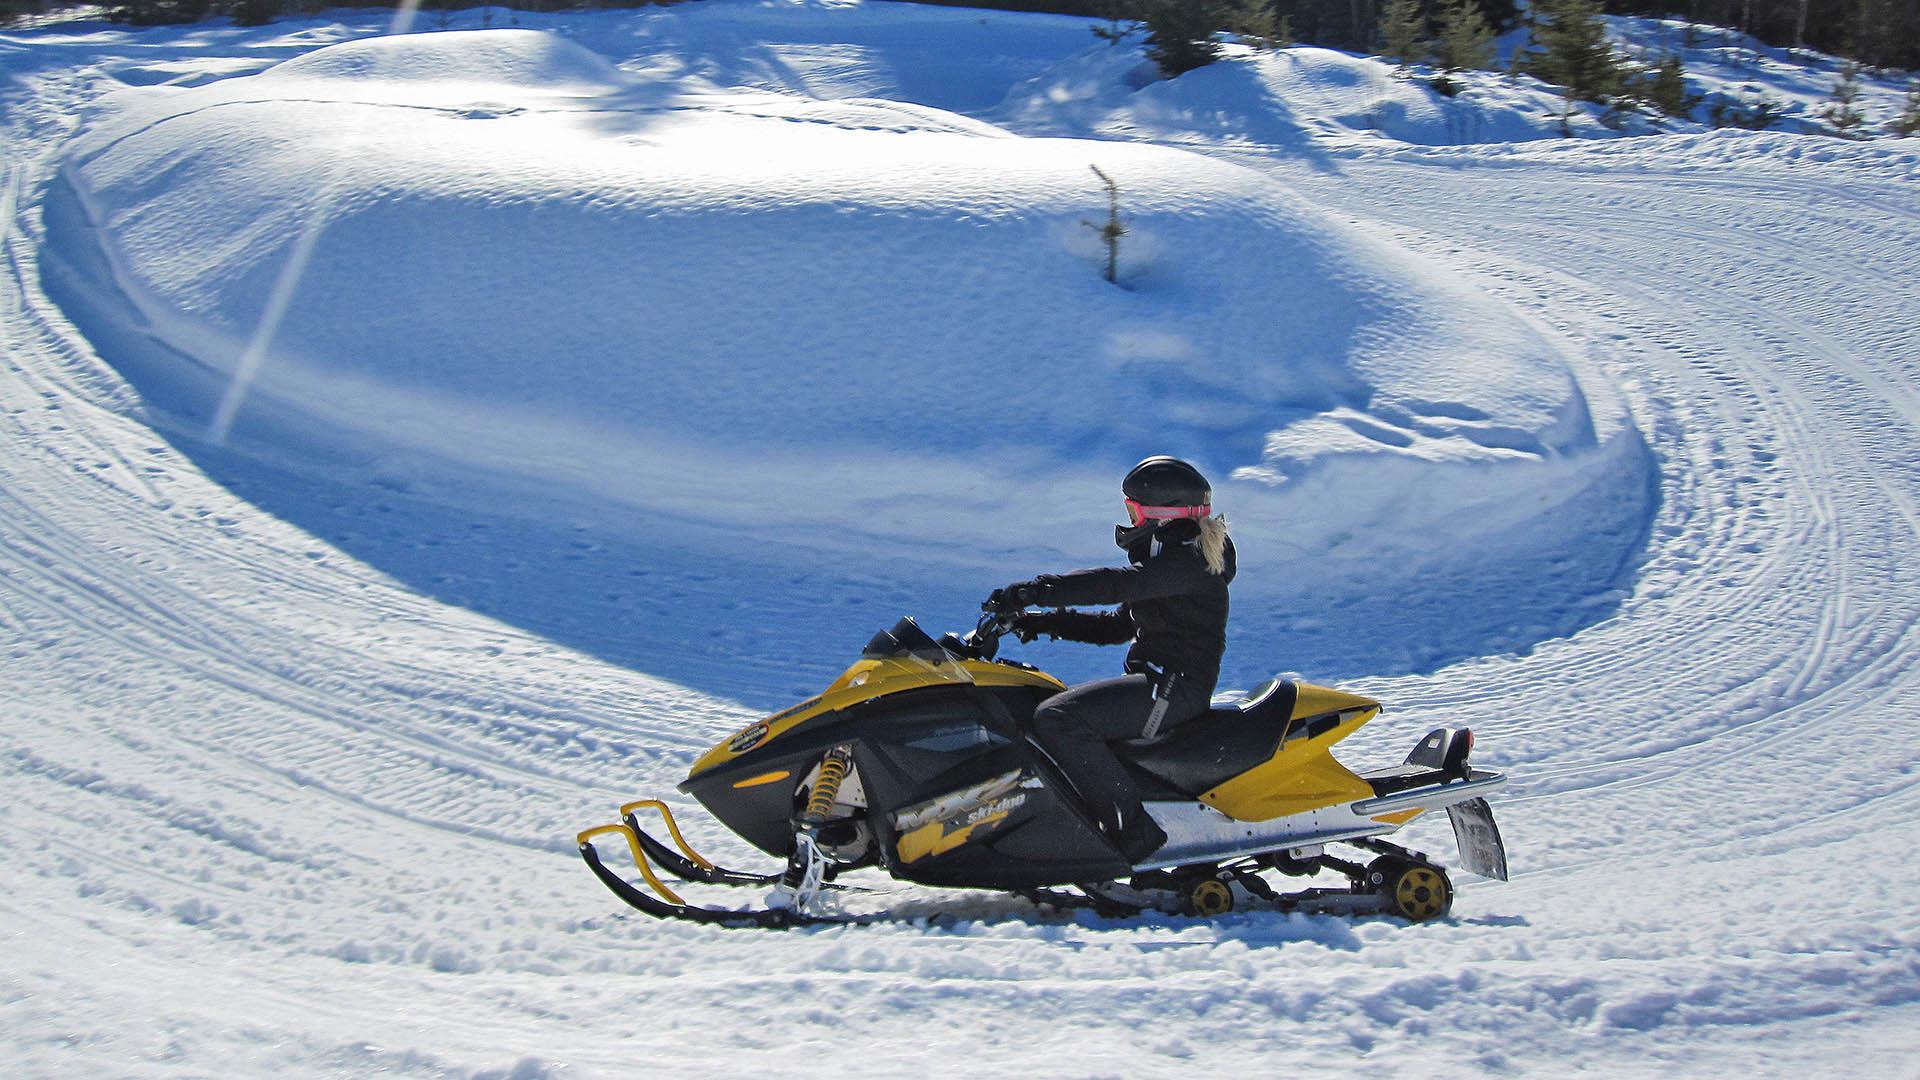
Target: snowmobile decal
x,y
748,739
764,778
942,824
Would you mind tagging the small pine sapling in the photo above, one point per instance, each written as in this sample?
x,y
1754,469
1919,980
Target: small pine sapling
x,y
1840,112
1756,114
1908,122
1665,87
1113,229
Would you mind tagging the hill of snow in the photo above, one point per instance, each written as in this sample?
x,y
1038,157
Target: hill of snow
x,y
639,364
718,306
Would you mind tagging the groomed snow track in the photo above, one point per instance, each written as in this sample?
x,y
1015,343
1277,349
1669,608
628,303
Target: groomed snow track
x,y
268,812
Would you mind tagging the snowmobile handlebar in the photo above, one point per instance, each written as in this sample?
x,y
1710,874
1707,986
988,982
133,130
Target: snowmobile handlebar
x,y
983,641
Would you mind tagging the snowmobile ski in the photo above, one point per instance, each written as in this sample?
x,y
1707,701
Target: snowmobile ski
x,y
664,903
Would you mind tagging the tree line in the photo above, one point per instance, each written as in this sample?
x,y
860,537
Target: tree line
x,y
1878,33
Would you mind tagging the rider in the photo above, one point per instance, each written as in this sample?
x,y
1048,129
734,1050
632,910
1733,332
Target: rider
x,y
1173,609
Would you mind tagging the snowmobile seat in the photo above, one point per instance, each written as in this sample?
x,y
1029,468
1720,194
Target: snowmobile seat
x,y
1220,744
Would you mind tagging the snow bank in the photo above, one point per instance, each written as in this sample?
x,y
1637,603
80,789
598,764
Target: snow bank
x,y
732,305
524,60
1302,99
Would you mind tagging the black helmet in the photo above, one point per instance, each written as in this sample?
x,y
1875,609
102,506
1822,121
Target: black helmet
x,y
1168,483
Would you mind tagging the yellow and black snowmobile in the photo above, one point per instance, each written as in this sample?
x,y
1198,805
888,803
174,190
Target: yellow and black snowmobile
x,y
917,761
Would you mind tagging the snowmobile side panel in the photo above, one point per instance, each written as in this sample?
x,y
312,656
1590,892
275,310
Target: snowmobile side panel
x,y
899,742
1311,700
1041,842
942,810
1197,833
1302,776
941,824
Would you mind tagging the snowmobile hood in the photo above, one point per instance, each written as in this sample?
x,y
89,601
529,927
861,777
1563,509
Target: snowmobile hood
x,y
870,678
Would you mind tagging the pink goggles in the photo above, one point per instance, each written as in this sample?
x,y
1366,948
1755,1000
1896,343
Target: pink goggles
x,y
1139,514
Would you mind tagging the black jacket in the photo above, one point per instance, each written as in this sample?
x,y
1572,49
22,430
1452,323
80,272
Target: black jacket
x,y
1171,608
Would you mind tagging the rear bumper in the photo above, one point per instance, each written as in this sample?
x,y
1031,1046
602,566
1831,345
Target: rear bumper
x,y
1478,784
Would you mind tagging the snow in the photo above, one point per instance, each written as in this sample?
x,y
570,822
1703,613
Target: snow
x,y
642,363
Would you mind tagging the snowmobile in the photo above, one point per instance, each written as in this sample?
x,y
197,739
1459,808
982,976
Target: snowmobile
x,y
917,761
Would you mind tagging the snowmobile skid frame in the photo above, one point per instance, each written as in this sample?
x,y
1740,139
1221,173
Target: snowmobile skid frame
x,y
1398,882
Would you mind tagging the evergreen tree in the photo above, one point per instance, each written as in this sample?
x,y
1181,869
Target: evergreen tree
x,y
1908,122
1573,51
1256,23
1840,112
1466,40
1180,34
1403,29
1325,22
1876,33
1756,114
1665,87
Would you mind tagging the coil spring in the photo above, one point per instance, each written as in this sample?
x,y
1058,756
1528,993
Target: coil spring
x,y
833,771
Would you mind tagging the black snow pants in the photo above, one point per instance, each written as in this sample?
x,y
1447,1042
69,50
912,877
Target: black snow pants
x,y
1075,727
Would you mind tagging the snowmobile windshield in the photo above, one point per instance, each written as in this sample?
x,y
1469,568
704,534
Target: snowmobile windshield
x,y
906,641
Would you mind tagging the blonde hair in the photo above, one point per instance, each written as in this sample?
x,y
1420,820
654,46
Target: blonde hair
x,y
1213,544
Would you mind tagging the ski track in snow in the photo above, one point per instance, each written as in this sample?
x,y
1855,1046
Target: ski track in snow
x,y
236,759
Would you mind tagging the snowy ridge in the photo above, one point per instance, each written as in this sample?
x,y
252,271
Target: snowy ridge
x,y
297,733
454,215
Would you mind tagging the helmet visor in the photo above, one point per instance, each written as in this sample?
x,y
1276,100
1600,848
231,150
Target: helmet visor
x,y
1140,514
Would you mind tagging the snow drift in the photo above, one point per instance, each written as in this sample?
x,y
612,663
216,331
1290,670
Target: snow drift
x,y
718,304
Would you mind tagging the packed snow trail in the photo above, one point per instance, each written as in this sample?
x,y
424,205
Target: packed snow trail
x,y
269,811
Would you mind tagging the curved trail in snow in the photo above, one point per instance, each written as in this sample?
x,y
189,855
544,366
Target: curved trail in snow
x,y
231,749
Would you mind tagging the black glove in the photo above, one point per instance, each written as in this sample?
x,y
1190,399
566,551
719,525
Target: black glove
x,y
1028,625
1010,599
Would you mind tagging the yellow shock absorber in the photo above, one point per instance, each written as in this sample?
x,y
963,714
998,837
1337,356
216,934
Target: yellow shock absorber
x,y
833,772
